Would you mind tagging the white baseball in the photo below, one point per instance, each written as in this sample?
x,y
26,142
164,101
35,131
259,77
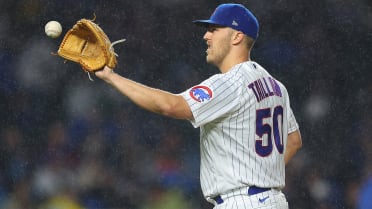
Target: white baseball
x,y
53,29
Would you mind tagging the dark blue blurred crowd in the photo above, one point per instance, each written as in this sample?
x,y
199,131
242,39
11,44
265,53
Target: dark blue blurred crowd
x,y
69,143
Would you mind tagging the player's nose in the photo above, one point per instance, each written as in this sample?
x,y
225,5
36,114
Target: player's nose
x,y
207,35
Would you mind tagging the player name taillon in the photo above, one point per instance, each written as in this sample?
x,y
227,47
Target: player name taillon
x,y
265,87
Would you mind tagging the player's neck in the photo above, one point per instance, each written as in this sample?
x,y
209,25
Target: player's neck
x,y
230,62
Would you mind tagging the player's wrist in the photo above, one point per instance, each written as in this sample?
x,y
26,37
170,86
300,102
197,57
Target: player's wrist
x,y
111,76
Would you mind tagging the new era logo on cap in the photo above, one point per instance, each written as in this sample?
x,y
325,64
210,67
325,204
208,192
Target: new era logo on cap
x,y
235,16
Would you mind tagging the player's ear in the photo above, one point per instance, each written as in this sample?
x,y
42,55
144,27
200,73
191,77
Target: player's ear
x,y
237,37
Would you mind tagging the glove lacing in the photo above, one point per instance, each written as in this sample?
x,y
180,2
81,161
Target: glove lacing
x,y
112,51
116,42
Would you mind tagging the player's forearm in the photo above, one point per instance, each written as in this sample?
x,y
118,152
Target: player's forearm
x,y
151,99
294,143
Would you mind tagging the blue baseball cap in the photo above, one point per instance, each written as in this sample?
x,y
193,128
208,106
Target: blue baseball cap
x,y
235,16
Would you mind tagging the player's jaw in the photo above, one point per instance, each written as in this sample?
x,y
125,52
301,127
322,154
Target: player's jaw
x,y
218,48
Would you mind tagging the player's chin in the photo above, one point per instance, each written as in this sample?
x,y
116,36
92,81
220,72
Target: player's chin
x,y
209,59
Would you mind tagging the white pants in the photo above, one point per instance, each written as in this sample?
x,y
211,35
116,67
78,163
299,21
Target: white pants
x,y
272,199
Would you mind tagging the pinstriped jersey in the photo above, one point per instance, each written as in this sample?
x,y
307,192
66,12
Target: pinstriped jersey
x,y
244,117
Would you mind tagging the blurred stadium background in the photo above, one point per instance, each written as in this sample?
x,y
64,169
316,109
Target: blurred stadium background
x,y
70,143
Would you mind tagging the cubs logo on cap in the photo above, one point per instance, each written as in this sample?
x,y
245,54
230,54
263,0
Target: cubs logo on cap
x,y
235,16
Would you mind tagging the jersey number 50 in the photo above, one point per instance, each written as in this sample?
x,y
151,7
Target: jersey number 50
x,y
274,125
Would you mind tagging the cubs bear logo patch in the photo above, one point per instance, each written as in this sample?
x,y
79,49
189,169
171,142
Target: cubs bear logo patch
x,y
201,93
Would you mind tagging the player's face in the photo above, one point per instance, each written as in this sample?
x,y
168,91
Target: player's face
x,y
218,40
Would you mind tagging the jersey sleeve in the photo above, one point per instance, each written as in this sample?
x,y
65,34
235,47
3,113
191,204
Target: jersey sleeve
x,y
292,123
212,99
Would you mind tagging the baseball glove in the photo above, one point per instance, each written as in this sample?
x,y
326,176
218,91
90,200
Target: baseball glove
x,y
87,44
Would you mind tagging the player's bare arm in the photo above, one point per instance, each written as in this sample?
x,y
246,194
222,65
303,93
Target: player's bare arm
x,y
151,99
294,143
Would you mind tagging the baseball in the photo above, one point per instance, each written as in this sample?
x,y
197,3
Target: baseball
x,y
53,29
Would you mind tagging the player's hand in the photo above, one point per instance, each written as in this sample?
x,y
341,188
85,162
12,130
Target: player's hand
x,y
105,73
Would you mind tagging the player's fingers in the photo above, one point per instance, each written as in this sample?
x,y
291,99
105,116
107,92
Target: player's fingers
x,y
108,69
103,72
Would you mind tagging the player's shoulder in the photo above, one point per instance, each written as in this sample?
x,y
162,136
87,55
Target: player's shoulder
x,y
250,71
264,72
256,67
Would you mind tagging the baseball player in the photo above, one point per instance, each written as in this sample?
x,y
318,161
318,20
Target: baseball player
x,y
247,129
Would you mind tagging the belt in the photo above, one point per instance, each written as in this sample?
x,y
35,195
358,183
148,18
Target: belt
x,y
251,191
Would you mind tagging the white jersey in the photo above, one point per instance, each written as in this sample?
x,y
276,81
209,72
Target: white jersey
x,y
244,117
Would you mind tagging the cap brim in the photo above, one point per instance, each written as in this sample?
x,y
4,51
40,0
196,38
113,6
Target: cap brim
x,y
204,23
